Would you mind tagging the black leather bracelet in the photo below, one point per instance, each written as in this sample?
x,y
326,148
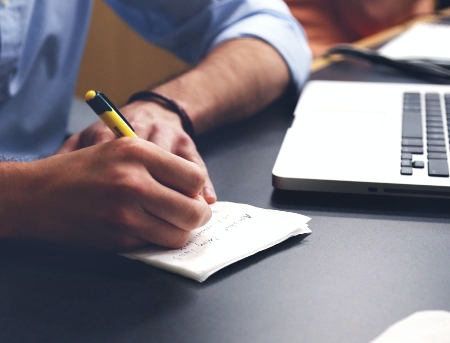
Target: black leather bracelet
x,y
167,103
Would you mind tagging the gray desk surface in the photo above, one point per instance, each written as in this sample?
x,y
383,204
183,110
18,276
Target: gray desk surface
x,y
370,262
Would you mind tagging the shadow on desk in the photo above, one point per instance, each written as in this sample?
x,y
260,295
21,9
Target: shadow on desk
x,y
70,296
363,204
105,265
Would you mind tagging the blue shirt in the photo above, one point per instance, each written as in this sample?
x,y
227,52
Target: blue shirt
x,y
42,41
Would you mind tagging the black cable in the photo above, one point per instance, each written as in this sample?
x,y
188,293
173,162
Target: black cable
x,y
413,66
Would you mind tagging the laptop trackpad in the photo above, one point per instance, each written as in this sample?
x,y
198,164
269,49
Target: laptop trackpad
x,y
343,139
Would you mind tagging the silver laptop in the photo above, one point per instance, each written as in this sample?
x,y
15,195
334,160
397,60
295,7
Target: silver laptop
x,y
368,138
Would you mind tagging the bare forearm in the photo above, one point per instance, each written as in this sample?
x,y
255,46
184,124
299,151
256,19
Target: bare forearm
x,y
234,81
15,191
91,197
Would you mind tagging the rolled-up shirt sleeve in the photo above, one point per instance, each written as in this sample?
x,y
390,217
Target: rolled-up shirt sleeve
x,y
190,29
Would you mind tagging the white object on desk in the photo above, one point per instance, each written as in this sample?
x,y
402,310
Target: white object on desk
x,y
234,232
421,41
420,327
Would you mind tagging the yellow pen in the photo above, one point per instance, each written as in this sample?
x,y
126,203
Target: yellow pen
x,y
109,114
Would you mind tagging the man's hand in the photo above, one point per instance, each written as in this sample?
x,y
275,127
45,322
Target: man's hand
x,y
212,93
119,196
155,124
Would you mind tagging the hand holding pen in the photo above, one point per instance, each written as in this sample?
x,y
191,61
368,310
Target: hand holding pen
x,y
109,114
151,122
119,195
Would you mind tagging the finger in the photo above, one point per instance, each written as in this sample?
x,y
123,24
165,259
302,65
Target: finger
x,y
71,144
163,184
156,199
161,137
95,134
151,229
172,171
161,216
190,153
208,192
175,208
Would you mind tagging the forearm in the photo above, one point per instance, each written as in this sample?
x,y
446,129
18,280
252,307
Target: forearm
x,y
120,195
14,179
238,78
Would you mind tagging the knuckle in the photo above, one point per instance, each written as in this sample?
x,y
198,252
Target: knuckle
x,y
185,140
131,150
97,135
157,127
125,183
197,216
139,126
127,145
145,130
197,176
177,240
121,218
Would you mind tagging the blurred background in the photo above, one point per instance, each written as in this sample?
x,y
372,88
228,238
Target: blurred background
x,y
118,62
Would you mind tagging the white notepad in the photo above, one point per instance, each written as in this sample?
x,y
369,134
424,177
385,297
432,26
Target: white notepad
x,y
427,41
420,327
234,232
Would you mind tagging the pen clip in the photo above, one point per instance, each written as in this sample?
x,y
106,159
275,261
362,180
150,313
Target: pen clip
x,y
110,104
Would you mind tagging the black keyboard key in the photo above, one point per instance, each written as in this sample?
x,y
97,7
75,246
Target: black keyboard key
x,y
433,117
412,127
437,149
433,109
412,106
406,171
435,124
412,142
436,136
406,156
435,130
413,149
438,168
433,113
411,112
437,156
436,142
418,164
406,163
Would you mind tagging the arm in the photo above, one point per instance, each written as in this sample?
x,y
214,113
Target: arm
x,y
237,79
116,196
247,59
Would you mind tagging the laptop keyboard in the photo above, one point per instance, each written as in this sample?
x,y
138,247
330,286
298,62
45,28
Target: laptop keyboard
x,y
432,149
